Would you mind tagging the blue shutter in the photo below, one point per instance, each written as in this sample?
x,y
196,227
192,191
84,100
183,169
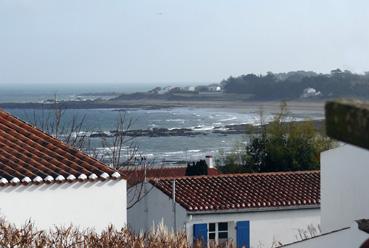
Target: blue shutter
x,y
200,232
243,234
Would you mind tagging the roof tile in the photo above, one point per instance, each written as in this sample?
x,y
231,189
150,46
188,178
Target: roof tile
x,y
259,190
28,153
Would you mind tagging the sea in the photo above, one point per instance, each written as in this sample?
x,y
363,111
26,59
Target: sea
x,y
168,149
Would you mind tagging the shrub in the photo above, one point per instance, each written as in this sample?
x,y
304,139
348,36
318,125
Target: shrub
x,y
71,237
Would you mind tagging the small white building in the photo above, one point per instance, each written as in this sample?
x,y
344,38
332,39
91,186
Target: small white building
x,y
247,210
214,87
51,183
344,198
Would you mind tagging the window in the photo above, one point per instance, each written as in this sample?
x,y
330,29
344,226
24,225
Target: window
x,y
218,233
212,232
223,230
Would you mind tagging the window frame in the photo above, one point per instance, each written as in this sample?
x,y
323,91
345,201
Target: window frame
x,y
216,232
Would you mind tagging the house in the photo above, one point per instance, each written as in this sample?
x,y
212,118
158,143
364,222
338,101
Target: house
x,y
137,174
344,198
51,183
214,87
243,209
190,88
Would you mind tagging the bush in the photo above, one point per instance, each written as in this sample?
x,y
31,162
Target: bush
x,y
58,237
281,145
70,237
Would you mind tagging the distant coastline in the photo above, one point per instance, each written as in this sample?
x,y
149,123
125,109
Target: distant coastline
x,y
302,105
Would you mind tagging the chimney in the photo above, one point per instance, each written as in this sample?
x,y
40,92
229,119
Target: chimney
x,y
209,161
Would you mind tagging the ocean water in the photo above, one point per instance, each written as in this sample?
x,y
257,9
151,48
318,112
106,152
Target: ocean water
x,y
173,148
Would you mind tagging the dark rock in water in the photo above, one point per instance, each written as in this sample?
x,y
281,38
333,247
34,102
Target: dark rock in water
x,y
99,135
165,132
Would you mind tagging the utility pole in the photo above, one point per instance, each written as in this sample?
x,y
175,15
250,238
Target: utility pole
x,y
174,206
146,210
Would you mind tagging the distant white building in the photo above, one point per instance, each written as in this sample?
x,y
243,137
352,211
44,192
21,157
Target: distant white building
x,y
189,88
165,90
51,183
247,210
214,88
310,93
344,199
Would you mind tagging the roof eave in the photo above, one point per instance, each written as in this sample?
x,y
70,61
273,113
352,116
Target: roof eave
x,y
99,180
250,210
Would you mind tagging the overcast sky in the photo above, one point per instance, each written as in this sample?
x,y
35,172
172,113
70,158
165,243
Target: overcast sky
x,y
149,41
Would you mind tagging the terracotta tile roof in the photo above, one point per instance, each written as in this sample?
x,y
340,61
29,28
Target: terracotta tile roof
x,y
244,191
136,175
28,155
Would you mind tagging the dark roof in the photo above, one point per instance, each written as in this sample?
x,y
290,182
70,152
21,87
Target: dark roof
x,y
28,155
135,175
244,191
363,225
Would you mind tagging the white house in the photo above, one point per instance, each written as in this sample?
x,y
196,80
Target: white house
x,y
344,198
214,87
248,210
51,183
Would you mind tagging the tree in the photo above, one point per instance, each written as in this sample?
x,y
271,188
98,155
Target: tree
x,y
277,86
281,145
116,151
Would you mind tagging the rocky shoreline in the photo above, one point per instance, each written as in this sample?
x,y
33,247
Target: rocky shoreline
x,y
166,132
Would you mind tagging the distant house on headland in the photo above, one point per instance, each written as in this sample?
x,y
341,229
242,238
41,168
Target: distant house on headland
x,y
51,183
214,88
245,209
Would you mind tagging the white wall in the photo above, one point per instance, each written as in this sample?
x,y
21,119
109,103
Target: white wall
x,y
84,204
344,187
154,208
266,226
352,237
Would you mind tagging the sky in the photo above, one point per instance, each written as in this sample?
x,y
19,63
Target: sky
x,y
176,41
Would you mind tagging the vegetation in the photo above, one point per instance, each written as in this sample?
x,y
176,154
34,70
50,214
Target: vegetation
x,y
29,236
281,145
70,237
117,151
291,85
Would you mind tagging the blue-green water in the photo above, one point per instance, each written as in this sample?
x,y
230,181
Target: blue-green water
x,y
172,148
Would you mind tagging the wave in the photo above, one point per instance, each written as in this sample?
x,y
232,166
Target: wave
x,y
193,151
202,128
175,120
229,119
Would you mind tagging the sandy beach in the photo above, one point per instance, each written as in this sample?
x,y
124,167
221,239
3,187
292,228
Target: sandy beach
x,y
239,106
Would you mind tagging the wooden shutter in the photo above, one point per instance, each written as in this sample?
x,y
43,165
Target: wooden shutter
x,y
243,234
200,232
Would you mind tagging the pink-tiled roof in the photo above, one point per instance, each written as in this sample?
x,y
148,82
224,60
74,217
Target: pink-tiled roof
x,y
28,155
244,191
136,175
